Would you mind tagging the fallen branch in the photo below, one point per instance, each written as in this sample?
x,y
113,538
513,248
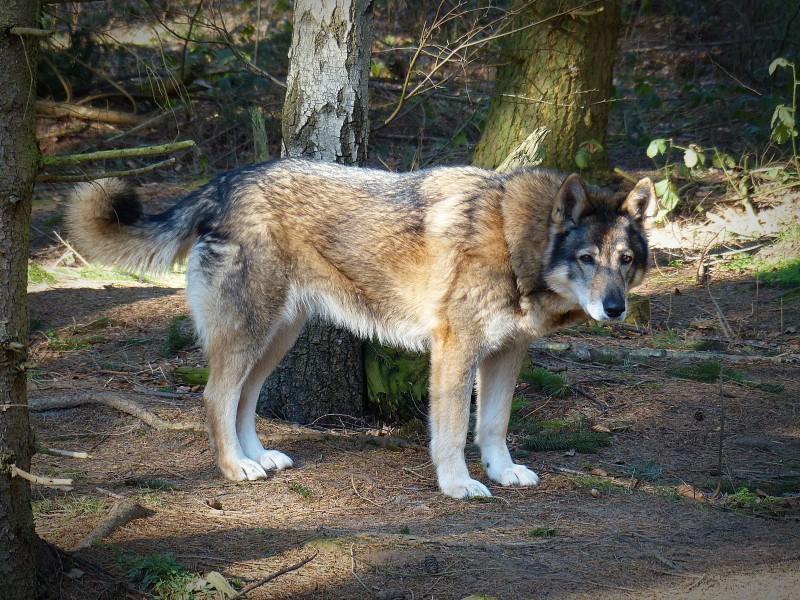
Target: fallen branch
x,y
67,160
115,401
59,452
260,582
584,353
64,484
48,178
122,513
48,108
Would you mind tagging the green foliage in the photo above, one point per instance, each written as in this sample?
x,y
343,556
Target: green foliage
x,y
648,470
300,489
708,372
589,154
397,381
784,118
37,274
153,483
554,384
164,577
784,274
177,337
585,442
543,532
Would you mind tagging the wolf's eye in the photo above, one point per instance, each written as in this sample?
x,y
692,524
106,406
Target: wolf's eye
x,y
586,259
625,259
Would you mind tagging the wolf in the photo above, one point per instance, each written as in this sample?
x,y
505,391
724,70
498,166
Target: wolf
x,y
469,264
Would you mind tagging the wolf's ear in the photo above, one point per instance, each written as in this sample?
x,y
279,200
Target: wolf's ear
x,y
641,202
570,202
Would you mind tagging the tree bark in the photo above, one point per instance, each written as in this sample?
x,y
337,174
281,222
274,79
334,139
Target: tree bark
x,y
558,75
19,157
325,116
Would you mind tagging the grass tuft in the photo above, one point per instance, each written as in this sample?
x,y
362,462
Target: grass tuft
x,y
177,337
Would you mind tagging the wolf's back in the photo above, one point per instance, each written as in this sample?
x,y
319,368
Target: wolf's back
x,y
107,225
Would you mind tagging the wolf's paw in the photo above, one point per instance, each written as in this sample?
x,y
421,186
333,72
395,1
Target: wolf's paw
x,y
514,475
243,469
464,489
274,460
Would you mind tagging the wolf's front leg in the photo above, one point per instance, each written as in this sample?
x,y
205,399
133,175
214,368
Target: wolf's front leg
x,y
452,378
497,375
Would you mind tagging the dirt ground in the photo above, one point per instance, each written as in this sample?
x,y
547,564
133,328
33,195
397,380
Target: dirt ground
x,y
369,513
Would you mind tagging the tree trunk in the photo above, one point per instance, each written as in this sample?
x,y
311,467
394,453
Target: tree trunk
x,y
558,75
324,117
19,156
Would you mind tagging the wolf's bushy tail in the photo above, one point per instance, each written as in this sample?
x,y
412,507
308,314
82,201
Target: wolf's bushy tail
x,y
107,225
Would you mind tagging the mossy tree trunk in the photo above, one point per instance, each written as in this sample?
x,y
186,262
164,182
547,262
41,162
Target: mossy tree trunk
x,y
324,117
19,157
555,73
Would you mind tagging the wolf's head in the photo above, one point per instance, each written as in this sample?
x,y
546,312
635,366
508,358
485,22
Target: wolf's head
x,y
598,246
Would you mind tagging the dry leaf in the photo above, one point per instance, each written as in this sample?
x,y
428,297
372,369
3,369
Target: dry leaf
x,y
214,503
219,583
601,428
599,472
689,491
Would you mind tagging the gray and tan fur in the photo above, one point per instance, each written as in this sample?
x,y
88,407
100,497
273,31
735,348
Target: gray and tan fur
x,y
469,264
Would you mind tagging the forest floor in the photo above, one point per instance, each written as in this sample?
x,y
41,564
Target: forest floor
x,y
613,524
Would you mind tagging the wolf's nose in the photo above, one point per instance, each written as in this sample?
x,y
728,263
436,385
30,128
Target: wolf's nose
x,y
614,307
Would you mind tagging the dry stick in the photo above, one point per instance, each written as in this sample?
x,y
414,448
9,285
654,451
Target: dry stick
x,y
62,109
59,452
122,513
723,322
721,433
353,483
260,582
114,401
71,249
46,178
64,484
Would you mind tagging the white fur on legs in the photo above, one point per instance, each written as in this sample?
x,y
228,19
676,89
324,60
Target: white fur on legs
x,y
497,375
451,387
232,461
279,343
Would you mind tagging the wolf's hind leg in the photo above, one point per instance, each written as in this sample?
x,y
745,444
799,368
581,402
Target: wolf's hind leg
x,y
279,344
228,371
497,375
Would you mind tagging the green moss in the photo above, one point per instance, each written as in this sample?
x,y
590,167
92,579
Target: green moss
x,y
708,372
37,274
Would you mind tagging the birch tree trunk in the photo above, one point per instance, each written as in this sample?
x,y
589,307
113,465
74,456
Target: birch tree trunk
x,y
557,75
325,117
19,156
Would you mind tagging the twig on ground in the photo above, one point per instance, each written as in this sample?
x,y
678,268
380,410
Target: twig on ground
x,y
116,401
260,582
71,249
353,570
353,484
718,489
59,452
64,484
122,513
585,393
